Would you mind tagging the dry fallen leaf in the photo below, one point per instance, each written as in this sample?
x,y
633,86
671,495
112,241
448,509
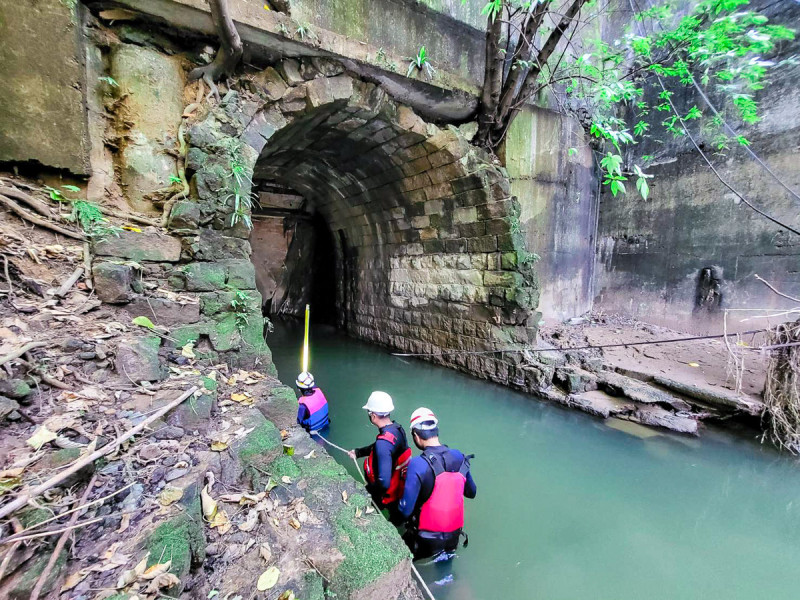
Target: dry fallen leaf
x,y
221,522
268,579
265,552
208,503
219,446
170,495
125,523
359,512
286,479
154,571
40,437
162,581
74,580
311,454
250,522
344,496
369,510
287,595
188,350
294,523
129,577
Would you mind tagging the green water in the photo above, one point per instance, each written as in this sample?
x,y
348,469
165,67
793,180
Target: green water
x,y
569,508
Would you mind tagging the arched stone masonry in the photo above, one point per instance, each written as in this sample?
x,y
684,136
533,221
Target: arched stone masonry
x,y
423,220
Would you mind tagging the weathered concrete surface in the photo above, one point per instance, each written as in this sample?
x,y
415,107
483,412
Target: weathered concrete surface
x,y
692,249
42,114
151,86
558,203
450,43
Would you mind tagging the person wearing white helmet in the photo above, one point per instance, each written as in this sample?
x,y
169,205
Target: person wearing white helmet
x,y
387,456
436,484
312,410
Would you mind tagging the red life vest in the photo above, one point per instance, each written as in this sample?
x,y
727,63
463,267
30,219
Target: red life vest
x,y
443,511
401,456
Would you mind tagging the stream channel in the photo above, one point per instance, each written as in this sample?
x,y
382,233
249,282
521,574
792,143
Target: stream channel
x,y
570,507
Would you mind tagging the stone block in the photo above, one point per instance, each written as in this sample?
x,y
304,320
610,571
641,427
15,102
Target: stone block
x,y
145,246
327,67
437,191
241,274
270,82
290,71
112,282
295,100
508,261
204,277
420,222
470,182
162,312
215,245
472,229
184,215
429,233
498,226
487,243
434,207
138,359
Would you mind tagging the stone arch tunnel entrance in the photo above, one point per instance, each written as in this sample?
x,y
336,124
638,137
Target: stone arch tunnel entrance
x,y
415,229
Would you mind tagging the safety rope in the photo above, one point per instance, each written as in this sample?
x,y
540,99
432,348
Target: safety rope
x,y
377,508
588,347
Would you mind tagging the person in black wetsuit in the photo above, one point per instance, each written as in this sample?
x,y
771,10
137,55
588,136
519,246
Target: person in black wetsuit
x,y
387,456
436,484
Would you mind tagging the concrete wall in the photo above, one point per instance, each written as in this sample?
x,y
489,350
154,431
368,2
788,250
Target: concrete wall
x,y
42,108
558,199
693,248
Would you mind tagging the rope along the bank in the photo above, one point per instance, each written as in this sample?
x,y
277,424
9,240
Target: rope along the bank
x,y
358,468
588,347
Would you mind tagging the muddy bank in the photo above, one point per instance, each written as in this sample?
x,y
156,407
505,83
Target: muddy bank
x,y
677,386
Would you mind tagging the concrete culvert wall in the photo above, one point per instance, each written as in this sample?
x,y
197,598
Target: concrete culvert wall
x,y
429,255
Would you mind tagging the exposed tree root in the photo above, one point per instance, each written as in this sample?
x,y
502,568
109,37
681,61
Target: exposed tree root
x,y
39,206
182,150
37,220
230,51
782,390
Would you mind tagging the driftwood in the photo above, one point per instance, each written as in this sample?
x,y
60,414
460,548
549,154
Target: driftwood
x,y
62,541
36,219
24,498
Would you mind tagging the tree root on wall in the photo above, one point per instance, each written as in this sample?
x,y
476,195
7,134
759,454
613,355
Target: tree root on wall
x,y
230,51
782,389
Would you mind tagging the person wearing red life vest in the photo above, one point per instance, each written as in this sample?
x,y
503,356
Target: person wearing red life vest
x,y
436,484
387,457
312,410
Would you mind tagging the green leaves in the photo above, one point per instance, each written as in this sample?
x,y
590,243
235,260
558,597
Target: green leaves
x,y
492,9
144,322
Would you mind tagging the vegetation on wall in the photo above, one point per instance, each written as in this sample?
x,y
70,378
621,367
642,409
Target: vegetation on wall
x,y
718,45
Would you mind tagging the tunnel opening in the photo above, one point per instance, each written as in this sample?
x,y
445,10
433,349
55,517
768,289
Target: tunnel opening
x,y
400,232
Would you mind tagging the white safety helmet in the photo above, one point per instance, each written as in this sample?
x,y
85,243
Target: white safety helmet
x,y
424,419
305,381
379,403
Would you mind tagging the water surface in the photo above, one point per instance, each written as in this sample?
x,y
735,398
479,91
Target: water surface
x,y
569,508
